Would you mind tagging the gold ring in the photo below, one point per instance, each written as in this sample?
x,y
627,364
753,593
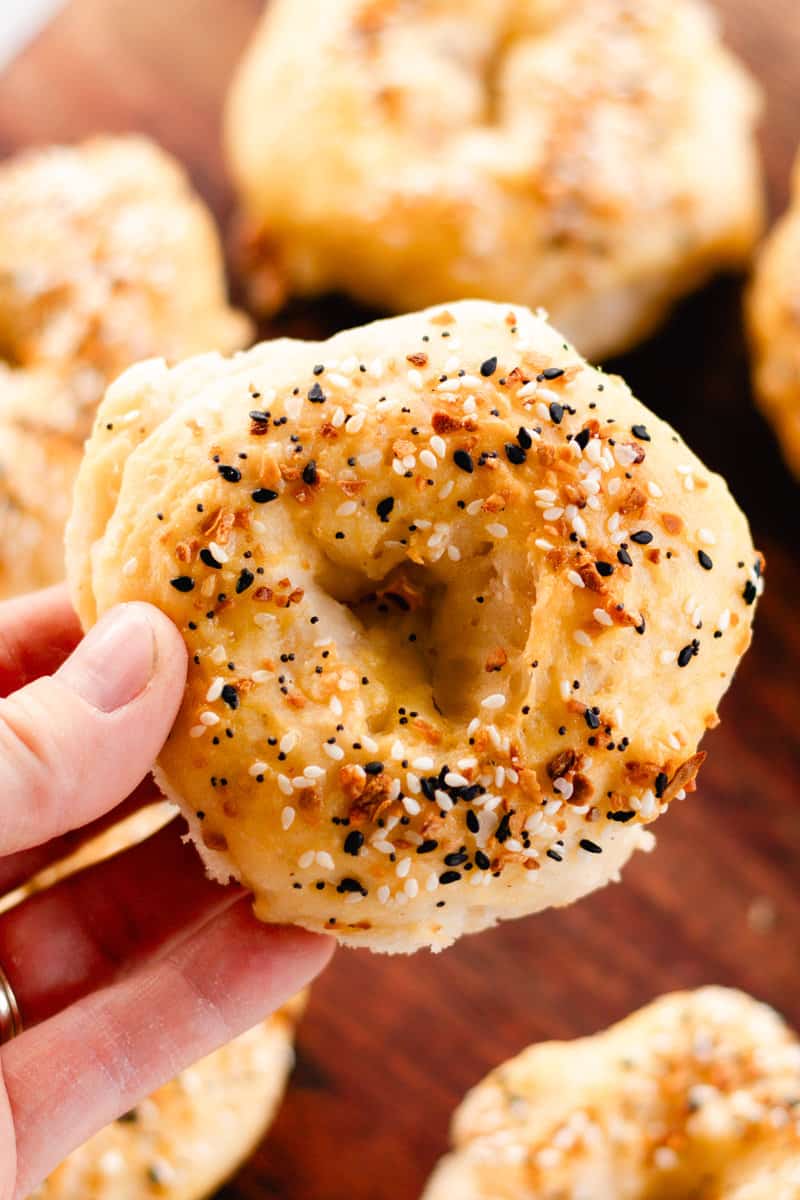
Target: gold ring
x,y
10,1016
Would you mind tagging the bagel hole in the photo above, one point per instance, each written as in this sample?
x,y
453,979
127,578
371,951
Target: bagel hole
x,y
459,629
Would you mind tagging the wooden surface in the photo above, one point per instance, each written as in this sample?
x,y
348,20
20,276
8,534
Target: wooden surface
x,y
389,1045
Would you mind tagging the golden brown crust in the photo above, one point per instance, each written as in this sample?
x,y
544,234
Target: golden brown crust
x,y
550,152
342,747
106,257
695,1095
773,312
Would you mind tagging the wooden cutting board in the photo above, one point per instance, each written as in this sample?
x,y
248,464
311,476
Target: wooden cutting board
x,y
389,1045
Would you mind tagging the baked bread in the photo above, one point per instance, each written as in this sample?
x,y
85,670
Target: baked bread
x,y
106,257
191,1135
458,609
695,1095
553,151
185,1140
773,312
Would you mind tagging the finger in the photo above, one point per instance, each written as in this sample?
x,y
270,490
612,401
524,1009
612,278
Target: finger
x,y
37,632
86,931
19,869
73,745
100,1057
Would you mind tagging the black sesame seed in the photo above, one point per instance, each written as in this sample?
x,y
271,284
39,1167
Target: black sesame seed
x,y
230,696
750,592
482,860
642,537
449,877
384,507
640,431
590,847
310,475
263,495
182,584
473,824
582,438
515,454
661,783
704,560
463,460
244,581
551,373
374,768
622,817
316,394
604,568
229,474
524,438
455,859
504,828
624,558
427,846
556,412
351,885
687,654
556,857
591,718
353,842
489,367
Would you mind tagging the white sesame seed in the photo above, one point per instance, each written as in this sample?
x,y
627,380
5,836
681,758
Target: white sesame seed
x,y
613,486
543,544
582,638
313,772
347,509
288,741
453,779
579,526
383,894
333,751
411,806
654,490
564,787
305,860
258,768
208,718
602,617
355,422
707,536
335,705
130,567
446,490
287,817
474,507
197,731
546,495
369,743
423,763
443,800
428,459
473,726
215,690
494,701
497,530
403,867
431,883
324,860
575,579
413,784
666,656
724,620
414,378
338,418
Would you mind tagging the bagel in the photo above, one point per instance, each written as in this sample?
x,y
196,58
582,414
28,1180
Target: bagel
x,y
410,152
458,611
773,312
106,256
185,1140
694,1095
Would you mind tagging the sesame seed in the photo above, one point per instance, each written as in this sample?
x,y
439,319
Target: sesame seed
x,y
463,461
494,701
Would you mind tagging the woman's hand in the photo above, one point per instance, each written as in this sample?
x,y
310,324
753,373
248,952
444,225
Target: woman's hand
x,y
134,968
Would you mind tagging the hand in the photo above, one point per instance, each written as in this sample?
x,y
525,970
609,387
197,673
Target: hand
x,y
136,967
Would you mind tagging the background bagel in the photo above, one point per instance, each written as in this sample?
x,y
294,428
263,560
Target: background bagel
x,y
695,1095
773,312
458,609
187,1138
106,256
548,150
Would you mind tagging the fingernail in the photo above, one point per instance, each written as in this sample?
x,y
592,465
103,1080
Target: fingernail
x,y
115,661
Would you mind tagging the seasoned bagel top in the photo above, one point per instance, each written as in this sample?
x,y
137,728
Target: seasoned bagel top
x,y
695,1095
558,151
459,610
